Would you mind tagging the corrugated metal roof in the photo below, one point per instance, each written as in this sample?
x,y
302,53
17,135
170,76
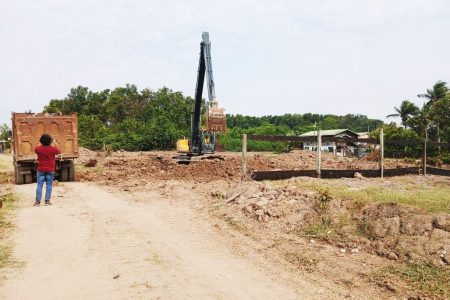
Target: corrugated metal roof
x,y
330,132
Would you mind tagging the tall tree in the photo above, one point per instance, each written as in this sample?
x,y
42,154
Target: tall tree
x,y
438,92
5,132
406,111
440,113
422,120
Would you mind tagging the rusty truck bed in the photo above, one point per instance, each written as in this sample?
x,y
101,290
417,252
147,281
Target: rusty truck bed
x,y
28,128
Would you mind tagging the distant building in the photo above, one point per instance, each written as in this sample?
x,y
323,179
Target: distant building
x,y
363,135
338,148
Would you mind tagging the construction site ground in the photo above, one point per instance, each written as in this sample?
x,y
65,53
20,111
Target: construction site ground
x,y
140,226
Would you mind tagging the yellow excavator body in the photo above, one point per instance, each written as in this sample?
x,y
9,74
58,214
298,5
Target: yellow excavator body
x,y
183,145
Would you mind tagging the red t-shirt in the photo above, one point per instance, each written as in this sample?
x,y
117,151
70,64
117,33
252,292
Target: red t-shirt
x,y
46,158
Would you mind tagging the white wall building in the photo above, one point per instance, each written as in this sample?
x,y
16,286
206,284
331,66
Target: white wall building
x,y
338,148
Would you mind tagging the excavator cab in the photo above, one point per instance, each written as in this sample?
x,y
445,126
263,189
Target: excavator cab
x,y
209,142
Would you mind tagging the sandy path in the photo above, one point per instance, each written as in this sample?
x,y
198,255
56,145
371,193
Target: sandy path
x,y
156,250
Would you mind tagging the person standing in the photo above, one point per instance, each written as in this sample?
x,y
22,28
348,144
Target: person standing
x,y
46,153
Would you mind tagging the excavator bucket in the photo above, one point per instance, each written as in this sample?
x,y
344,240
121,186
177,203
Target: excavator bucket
x,y
217,121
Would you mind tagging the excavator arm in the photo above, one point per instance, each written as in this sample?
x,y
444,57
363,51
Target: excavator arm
x,y
203,142
209,72
196,119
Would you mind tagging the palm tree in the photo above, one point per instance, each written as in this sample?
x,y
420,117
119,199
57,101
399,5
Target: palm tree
x,y
423,120
405,112
437,93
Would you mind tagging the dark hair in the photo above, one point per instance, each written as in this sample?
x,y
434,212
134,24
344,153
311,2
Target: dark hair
x,y
46,139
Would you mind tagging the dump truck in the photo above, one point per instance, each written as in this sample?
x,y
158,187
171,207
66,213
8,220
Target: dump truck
x,y
27,129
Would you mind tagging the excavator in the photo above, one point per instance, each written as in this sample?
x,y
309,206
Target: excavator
x,y
203,141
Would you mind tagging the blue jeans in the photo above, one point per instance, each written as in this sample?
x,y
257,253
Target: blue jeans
x,y
46,177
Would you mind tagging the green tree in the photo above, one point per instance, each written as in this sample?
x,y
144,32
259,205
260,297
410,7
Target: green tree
x,y
405,112
5,132
394,132
440,112
422,121
54,106
92,131
126,118
161,134
438,92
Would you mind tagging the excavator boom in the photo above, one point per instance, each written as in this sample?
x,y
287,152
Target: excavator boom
x,y
196,119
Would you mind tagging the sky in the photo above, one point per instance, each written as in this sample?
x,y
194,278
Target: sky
x,y
269,57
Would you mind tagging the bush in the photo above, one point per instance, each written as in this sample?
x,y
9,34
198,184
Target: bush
x,y
393,132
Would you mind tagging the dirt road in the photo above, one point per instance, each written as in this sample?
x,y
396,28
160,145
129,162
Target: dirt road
x,y
96,244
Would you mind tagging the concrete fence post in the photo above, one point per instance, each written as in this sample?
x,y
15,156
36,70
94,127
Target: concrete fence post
x,y
319,152
381,152
424,159
244,156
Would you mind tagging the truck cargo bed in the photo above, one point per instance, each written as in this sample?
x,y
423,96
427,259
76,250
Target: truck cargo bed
x,y
28,128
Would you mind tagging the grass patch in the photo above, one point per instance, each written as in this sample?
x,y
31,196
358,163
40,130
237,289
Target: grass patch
x,y
364,229
5,256
429,198
6,169
6,177
323,232
83,168
430,280
435,199
301,261
9,204
6,163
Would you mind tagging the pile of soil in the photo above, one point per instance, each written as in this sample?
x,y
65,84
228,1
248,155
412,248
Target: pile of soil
x,y
306,160
85,155
390,230
123,166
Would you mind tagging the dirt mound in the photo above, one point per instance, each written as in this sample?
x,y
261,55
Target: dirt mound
x,y
85,152
373,156
158,167
122,166
390,230
86,155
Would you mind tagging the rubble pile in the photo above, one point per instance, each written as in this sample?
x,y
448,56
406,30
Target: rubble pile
x,y
390,230
263,203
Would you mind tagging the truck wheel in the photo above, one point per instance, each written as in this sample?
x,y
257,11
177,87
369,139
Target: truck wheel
x,y
64,173
71,171
28,178
18,176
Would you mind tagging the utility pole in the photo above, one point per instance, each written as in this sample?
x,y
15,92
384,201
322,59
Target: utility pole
x,y
244,156
425,152
381,152
319,152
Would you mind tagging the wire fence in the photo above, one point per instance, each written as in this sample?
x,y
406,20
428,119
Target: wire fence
x,y
413,149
